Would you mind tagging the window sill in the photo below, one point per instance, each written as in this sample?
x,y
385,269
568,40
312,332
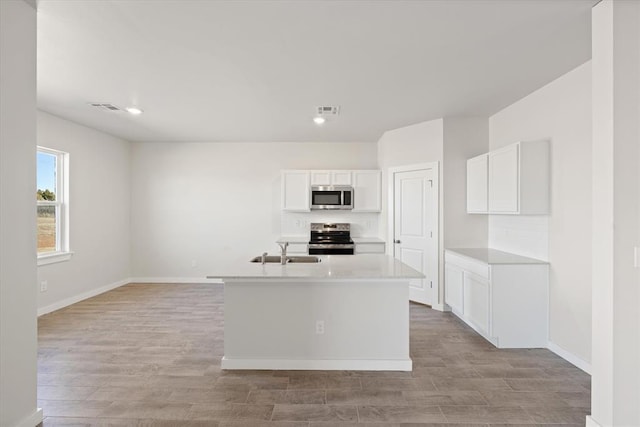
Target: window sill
x,y
54,258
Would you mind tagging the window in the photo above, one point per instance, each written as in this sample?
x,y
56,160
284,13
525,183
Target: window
x,y
52,201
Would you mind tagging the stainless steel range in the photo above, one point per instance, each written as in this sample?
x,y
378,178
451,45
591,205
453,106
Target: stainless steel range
x,y
331,239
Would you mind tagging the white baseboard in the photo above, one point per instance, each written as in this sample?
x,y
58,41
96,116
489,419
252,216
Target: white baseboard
x,y
161,280
318,364
440,307
83,296
570,357
591,422
32,420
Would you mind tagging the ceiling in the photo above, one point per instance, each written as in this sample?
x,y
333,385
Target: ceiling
x,y
256,70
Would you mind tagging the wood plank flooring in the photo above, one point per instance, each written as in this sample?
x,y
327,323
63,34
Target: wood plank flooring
x,y
149,355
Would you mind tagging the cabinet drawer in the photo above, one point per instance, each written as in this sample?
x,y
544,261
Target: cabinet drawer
x,y
467,264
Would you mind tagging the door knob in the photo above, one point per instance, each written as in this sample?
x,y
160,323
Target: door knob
x,y
397,241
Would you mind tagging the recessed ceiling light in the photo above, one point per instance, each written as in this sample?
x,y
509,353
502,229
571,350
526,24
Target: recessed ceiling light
x,y
134,110
319,120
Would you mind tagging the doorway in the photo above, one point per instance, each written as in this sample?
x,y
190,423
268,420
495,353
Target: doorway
x,y
413,225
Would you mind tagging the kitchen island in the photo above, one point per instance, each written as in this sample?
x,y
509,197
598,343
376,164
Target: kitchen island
x,y
347,312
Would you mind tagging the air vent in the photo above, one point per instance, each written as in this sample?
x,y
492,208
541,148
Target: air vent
x,y
105,106
328,110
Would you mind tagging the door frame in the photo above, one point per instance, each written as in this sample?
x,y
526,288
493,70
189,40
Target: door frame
x,y
391,216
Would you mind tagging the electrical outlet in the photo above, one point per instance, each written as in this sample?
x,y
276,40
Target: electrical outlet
x,y
44,286
194,263
319,327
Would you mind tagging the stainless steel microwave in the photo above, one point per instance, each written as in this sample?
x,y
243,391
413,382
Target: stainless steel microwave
x,y
332,197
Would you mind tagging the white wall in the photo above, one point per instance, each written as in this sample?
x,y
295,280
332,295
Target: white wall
x,y
409,145
18,328
561,112
99,213
214,202
615,399
464,137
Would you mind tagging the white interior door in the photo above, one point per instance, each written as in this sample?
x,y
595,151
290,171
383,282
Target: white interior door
x,y
416,229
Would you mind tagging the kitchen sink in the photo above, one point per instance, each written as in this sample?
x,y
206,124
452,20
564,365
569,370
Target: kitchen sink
x,y
268,258
307,259
275,259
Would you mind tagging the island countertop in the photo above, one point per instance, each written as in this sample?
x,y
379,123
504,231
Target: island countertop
x,y
494,256
332,267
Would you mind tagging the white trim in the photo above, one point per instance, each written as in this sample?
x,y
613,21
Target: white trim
x,y
62,199
161,280
83,296
318,364
570,357
591,422
32,420
440,307
54,257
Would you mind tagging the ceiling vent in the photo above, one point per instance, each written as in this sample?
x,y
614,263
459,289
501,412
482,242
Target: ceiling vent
x,y
328,110
105,106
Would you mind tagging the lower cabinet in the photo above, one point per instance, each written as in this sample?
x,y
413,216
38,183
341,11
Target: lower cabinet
x,y
505,303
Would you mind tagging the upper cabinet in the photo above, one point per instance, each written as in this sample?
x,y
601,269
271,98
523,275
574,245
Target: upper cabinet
x,y
367,195
336,177
295,190
511,180
477,201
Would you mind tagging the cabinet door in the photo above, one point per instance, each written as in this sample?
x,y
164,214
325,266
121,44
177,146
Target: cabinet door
x,y
453,288
320,177
476,300
503,180
366,188
341,177
477,173
295,191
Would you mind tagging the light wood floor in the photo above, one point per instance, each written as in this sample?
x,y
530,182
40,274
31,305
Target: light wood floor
x,y
149,355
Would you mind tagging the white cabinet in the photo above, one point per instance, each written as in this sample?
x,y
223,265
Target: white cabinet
x,y
514,180
476,300
367,195
454,287
331,177
295,190
504,300
477,201
503,179
296,187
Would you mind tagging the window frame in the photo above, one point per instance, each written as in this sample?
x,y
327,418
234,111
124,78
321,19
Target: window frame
x,y
62,252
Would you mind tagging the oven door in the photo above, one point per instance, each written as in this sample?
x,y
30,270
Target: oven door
x,y
331,249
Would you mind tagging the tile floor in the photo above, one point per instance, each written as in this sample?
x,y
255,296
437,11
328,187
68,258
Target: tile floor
x,y
149,355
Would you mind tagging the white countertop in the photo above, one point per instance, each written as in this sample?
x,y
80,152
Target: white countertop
x,y
367,240
305,239
293,239
332,267
494,256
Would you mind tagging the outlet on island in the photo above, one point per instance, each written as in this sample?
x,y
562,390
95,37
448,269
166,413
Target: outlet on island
x,y
44,285
319,327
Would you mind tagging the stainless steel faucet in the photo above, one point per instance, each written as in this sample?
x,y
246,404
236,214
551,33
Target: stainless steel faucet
x,y
283,254
264,258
